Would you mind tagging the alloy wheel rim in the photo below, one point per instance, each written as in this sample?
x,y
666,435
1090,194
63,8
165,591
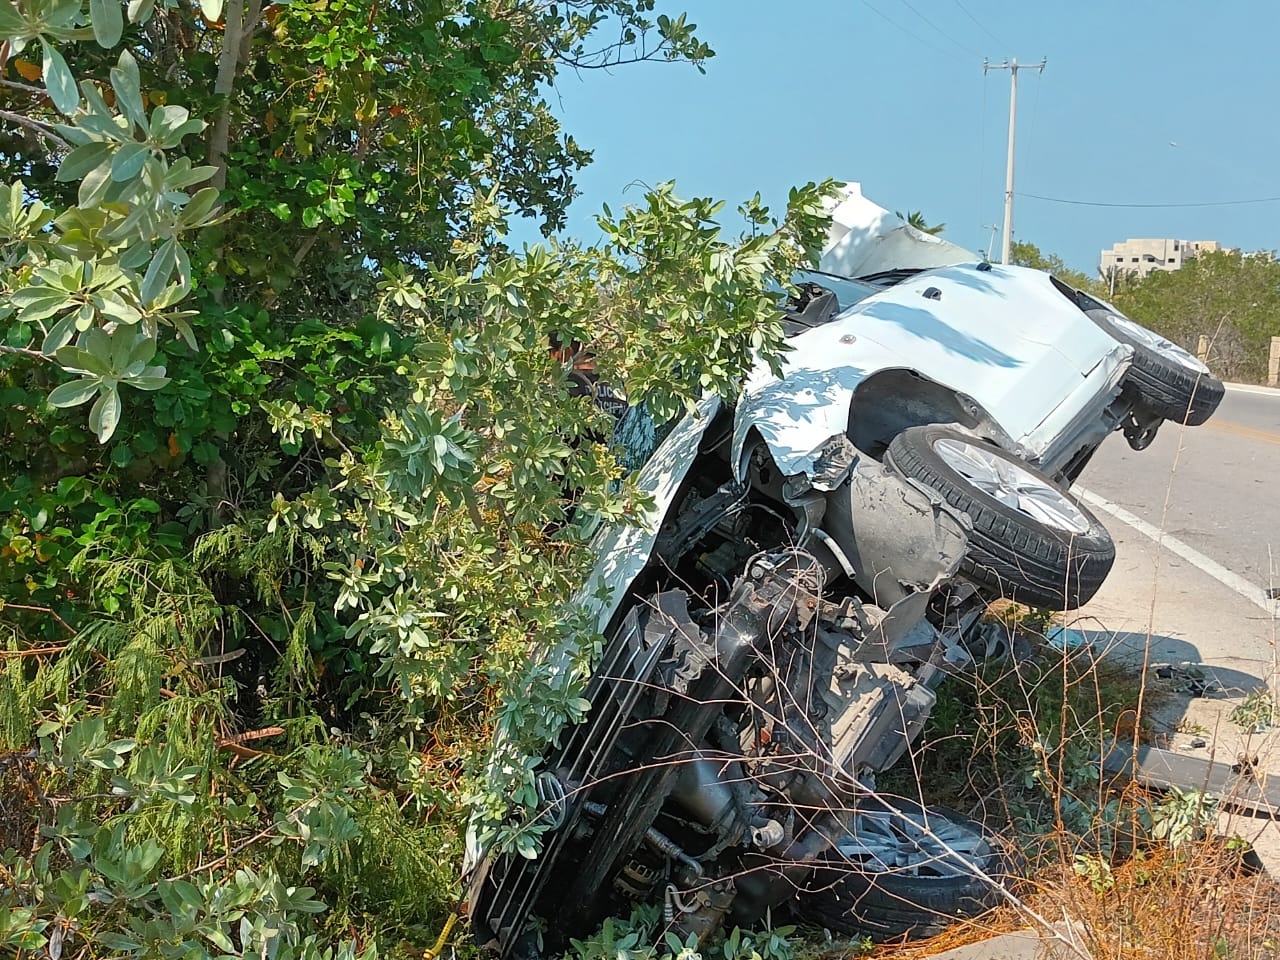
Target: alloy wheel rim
x,y
918,843
1012,485
1157,343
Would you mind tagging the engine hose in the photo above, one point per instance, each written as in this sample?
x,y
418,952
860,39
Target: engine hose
x,y
659,841
672,904
836,552
665,845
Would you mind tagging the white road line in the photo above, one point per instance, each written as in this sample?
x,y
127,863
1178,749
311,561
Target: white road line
x,y
1233,581
1250,388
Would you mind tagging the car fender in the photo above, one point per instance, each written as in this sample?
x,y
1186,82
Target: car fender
x,y
623,550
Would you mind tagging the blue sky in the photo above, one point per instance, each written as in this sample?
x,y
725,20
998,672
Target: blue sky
x,y
807,89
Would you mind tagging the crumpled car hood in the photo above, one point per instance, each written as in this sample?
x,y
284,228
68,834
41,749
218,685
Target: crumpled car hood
x,y
865,238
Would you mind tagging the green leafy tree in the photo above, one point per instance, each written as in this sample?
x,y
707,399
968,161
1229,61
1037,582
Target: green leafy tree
x,y
292,487
1230,297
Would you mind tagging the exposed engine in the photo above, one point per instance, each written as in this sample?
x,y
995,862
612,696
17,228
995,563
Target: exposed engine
x,y
726,751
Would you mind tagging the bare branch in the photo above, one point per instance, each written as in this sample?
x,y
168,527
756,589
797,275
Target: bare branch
x,y
305,248
24,87
23,351
31,608
36,126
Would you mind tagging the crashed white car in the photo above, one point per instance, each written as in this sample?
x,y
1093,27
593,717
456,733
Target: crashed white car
x,y
816,560
903,340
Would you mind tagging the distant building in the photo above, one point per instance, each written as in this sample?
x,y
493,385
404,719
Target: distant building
x,y
1143,256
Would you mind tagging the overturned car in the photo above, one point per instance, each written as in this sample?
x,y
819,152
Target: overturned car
x,y
816,561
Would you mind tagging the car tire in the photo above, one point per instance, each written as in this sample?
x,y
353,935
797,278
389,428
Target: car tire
x,y
1169,381
1030,541
917,901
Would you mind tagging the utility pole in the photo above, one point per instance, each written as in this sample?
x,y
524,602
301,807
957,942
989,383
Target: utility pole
x,y
1013,67
994,228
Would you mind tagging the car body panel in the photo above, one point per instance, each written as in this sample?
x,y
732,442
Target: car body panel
x,y
865,238
623,549
1001,335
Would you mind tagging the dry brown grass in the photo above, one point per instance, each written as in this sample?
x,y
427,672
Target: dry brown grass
x,y
1194,903
1107,885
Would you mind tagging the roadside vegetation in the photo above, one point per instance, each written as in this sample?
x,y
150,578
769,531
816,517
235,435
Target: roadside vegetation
x,y
287,465
286,456
1229,297
1109,868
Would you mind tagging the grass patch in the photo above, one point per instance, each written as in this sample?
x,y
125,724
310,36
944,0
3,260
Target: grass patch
x,y
1016,743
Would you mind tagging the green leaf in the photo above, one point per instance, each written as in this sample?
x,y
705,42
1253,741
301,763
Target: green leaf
x,y
140,10
104,415
113,307
93,188
11,22
78,358
108,22
145,382
127,84
158,273
39,303
59,336
141,351
58,79
175,136
74,393
82,159
118,941
200,206
220,940
128,160
165,118
182,174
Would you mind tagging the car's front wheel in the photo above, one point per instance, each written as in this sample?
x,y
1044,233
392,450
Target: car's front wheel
x,y
904,869
1169,381
1031,542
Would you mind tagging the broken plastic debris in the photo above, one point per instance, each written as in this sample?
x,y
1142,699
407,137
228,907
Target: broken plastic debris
x,y
1064,638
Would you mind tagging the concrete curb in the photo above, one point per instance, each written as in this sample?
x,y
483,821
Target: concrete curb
x,y
1022,945
1253,388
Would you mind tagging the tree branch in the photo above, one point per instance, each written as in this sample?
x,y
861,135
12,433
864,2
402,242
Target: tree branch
x,y
228,62
250,29
305,248
23,351
30,608
32,652
35,125
24,87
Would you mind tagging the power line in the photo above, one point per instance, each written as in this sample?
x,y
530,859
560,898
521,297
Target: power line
x,y
942,33
965,11
1098,203
914,36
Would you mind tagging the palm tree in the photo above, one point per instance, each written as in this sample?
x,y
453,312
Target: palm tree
x,y
916,219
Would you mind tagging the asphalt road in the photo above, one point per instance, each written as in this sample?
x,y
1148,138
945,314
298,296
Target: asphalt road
x,y
1213,487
